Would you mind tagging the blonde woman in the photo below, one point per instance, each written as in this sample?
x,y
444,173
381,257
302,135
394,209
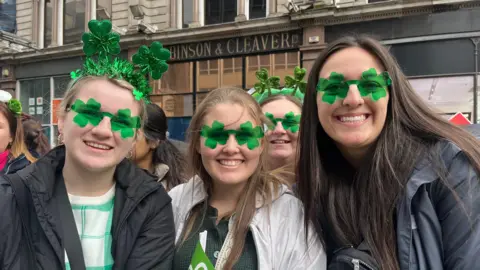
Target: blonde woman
x,y
235,215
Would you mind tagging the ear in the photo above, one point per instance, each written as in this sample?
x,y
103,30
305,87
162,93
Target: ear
x,y
154,144
60,124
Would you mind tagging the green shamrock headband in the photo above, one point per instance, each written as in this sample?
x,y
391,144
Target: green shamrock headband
x,y
269,86
13,104
103,42
90,113
217,134
335,87
289,122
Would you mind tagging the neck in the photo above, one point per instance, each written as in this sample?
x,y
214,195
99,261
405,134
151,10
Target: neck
x,y
81,182
225,198
146,163
354,156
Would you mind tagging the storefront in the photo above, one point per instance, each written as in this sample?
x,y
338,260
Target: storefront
x,y
197,68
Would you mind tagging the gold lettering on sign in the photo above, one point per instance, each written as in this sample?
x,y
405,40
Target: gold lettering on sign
x,y
246,44
239,48
275,44
255,46
264,42
231,46
285,38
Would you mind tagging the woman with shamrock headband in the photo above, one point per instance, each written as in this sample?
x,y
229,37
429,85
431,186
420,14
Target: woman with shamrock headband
x,y
14,155
233,214
84,205
382,173
283,109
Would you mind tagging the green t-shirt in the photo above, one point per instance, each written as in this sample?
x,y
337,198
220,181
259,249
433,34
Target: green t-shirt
x,y
216,234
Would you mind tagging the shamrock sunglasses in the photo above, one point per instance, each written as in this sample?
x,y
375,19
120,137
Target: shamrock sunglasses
x,y
217,134
289,122
370,83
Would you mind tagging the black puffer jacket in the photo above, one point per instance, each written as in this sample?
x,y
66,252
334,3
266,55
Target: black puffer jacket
x,y
143,228
15,164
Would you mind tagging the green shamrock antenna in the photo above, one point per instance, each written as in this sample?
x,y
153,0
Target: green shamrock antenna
x,y
103,42
294,86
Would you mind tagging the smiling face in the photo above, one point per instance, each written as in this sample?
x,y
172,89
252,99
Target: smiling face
x,y
353,122
5,134
98,147
231,163
282,143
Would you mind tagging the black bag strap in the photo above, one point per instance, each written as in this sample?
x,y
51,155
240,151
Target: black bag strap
x,y
71,240
25,207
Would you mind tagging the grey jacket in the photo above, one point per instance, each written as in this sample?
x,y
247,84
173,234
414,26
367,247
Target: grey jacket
x,y
277,229
437,229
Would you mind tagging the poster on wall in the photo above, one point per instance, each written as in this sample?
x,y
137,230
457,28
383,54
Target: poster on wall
x,y
39,110
31,110
55,106
39,101
31,101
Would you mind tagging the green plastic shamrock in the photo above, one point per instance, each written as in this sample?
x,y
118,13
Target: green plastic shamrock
x,y
101,40
332,88
15,106
76,74
247,134
266,83
137,94
125,123
152,60
290,121
87,112
297,82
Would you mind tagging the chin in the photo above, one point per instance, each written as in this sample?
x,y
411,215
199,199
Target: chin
x,y
97,164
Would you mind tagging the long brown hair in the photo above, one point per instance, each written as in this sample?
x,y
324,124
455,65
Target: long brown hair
x,y
17,146
259,182
333,192
34,137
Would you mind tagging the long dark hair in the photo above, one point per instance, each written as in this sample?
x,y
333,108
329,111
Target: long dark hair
x,y
155,130
33,135
335,194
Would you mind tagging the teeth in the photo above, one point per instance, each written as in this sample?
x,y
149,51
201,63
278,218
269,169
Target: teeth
x,y
278,142
230,162
99,146
353,118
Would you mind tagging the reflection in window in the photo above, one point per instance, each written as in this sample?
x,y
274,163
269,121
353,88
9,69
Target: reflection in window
x,y
447,94
178,79
220,11
35,99
104,9
232,72
257,9
187,13
175,105
210,78
8,10
47,31
73,21
60,85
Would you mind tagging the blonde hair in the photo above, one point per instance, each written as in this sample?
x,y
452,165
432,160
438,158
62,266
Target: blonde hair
x,y
273,98
75,86
259,183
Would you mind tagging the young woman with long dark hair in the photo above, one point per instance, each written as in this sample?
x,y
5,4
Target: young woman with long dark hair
x,y
378,166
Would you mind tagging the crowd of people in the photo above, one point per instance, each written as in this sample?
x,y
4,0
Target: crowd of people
x,y
346,169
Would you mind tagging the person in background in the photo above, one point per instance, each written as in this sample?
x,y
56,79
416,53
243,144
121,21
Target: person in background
x,y
14,154
382,173
155,153
235,214
35,140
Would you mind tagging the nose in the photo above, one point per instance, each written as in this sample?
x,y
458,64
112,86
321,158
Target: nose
x,y
231,147
353,98
103,129
279,130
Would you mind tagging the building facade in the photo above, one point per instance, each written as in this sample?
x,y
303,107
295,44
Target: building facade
x,y
223,43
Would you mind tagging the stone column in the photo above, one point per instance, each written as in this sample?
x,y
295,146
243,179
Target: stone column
x,y
241,11
272,7
196,14
173,14
313,44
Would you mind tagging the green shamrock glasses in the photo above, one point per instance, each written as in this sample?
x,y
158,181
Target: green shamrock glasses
x,y
90,113
289,122
371,83
217,134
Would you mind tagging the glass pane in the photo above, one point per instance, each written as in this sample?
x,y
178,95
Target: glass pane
x,y
252,63
209,78
187,12
229,10
8,16
175,105
47,34
447,94
258,9
178,79
279,60
233,75
73,21
220,11
104,9
252,67
284,70
60,85
200,98
35,99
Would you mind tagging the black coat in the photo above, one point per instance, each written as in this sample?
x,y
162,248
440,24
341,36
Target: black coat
x,y
15,164
143,227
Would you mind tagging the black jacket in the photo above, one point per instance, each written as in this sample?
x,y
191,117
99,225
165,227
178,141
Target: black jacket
x,y
143,227
15,164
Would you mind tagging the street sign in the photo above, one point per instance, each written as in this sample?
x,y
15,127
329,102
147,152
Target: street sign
x,y
459,119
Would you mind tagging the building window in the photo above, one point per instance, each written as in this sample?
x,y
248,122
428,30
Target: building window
x,y
220,11
257,9
175,105
217,73
35,99
73,21
187,13
104,9
48,20
279,64
8,21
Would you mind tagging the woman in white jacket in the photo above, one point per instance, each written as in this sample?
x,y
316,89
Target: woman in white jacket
x,y
236,215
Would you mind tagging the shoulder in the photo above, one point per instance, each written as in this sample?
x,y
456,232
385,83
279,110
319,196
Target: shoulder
x,y
193,188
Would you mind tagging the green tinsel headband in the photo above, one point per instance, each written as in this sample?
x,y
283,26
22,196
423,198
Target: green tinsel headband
x,y
13,104
103,42
269,86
